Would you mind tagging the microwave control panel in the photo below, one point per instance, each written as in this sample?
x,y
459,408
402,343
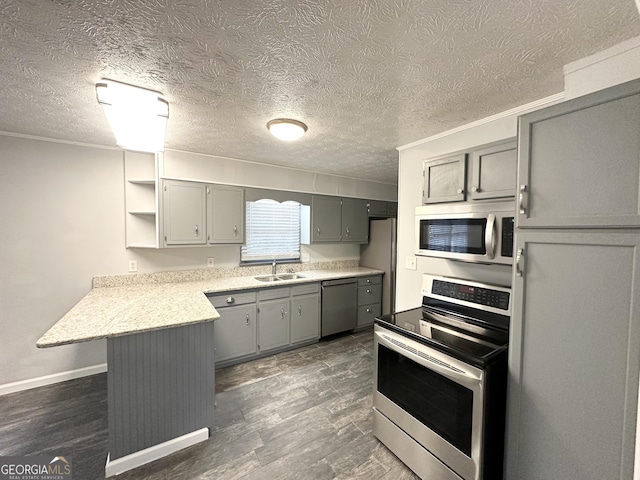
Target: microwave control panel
x,y
507,236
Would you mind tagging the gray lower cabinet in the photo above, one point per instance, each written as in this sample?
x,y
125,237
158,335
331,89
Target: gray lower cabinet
x,y
574,355
578,162
369,299
267,320
235,332
273,318
305,313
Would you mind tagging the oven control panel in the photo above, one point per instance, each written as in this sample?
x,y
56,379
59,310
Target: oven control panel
x,y
473,294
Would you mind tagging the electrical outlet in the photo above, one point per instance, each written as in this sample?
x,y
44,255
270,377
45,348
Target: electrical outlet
x,y
133,266
410,263
210,262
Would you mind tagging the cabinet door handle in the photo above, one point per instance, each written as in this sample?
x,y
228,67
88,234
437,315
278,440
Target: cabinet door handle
x,y
235,230
318,231
196,230
247,319
519,255
282,312
368,310
490,236
230,300
348,232
368,290
475,189
300,310
522,207
460,190
368,280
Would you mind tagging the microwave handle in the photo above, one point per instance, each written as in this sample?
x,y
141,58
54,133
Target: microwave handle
x,y
490,236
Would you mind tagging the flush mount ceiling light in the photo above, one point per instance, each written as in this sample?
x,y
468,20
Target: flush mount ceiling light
x,y
286,129
137,116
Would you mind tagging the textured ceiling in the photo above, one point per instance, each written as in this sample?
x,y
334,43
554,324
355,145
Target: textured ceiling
x,y
365,75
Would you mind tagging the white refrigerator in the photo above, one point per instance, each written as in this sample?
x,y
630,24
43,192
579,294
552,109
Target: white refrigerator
x,y
380,253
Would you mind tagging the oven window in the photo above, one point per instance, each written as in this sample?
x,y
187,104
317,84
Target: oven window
x,y
465,235
441,404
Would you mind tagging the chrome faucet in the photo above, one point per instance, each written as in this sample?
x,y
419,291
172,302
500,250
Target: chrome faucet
x,y
273,267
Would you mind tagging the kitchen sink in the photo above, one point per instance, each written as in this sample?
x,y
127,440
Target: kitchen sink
x,y
278,278
290,276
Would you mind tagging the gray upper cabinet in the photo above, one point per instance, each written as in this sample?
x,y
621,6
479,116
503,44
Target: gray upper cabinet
x,y
226,214
578,161
355,220
493,172
378,208
326,220
335,219
444,179
574,355
185,212
382,209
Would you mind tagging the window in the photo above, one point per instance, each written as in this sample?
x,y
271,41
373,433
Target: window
x,y
272,231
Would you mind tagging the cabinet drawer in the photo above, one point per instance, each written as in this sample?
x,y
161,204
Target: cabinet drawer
x,y
367,314
306,289
369,294
230,299
372,280
272,293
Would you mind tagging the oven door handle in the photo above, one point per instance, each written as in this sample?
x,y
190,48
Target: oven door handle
x,y
441,363
490,236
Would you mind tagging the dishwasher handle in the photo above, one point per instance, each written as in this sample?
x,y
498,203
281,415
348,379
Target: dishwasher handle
x,y
341,281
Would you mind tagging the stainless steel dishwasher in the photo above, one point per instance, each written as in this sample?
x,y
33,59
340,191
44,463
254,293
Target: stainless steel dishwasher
x,y
339,305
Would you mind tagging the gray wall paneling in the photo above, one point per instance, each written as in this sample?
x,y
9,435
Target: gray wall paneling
x,y
160,386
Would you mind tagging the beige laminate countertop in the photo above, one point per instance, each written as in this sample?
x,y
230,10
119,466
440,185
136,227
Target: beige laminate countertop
x,y
124,310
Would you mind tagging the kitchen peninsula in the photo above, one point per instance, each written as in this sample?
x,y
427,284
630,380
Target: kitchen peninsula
x,y
160,351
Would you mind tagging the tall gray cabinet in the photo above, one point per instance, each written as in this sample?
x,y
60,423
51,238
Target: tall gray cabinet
x,y
575,333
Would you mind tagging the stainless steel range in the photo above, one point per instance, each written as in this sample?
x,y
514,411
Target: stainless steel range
x,y
440,380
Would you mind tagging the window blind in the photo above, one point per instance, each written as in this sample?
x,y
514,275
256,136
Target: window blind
x,y
272,231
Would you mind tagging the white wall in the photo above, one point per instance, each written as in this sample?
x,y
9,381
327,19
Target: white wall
x,y
59,209
208,168
615,65
62,216
497,128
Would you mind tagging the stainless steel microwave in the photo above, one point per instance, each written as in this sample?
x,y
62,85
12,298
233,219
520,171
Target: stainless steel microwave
x,y
478,233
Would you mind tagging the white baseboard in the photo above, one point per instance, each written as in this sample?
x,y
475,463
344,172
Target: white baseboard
x,y
137,459
51,379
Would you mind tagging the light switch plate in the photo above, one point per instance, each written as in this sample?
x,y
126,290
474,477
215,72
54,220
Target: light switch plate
x,y
410,263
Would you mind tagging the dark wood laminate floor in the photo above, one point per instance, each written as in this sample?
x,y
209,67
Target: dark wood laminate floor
x,y
304,414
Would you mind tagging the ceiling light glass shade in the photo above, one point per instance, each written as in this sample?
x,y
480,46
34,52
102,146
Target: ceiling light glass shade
x,y
138,117
286,129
